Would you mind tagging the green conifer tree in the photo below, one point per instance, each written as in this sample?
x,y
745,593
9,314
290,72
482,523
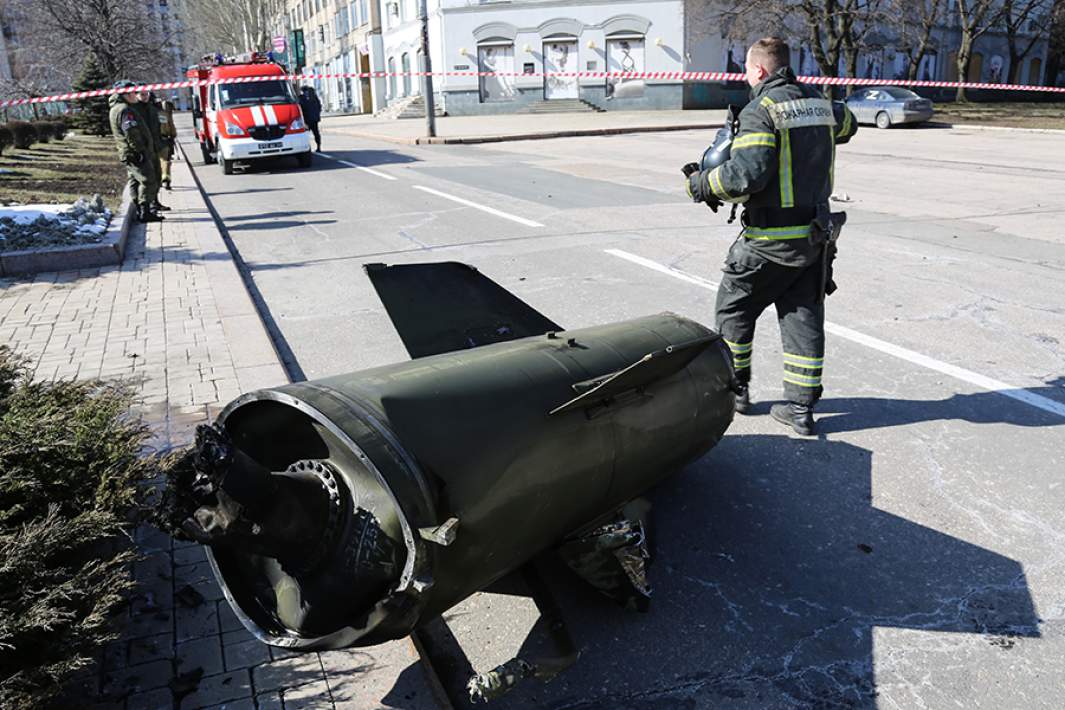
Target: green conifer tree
x,y
92,115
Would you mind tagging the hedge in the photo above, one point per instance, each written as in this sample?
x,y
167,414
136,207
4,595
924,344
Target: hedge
x,y
70,469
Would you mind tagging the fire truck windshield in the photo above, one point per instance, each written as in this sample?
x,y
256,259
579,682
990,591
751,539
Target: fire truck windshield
x,y
275,91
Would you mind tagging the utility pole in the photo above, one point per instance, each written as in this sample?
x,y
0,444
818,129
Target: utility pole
x,y
427,68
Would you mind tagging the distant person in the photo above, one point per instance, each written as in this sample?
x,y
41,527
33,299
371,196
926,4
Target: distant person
x,y
312,112
154,116
168,131
134,141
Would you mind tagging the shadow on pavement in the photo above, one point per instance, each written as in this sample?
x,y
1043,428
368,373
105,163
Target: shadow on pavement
x,y
772,570
370,158
857,413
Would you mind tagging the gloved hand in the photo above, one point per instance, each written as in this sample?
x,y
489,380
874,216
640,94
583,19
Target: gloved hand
x,y
689,169
699,190
134,158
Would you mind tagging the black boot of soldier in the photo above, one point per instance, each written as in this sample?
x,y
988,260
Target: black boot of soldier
x,y
145,214
799,417
743,399
157,206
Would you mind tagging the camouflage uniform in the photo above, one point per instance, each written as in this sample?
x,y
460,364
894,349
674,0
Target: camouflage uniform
x,y
136,150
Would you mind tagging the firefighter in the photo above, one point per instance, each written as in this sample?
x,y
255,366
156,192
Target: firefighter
x,y
781,169
135,149
168,132
154,116
311,107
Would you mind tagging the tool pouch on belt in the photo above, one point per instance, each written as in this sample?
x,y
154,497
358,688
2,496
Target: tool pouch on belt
x,y
825,231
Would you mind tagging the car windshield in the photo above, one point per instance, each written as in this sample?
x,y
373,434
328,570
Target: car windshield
x,y
275,91
897,93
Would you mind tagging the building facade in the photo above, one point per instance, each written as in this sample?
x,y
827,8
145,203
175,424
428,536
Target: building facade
x,y
528,38
340,37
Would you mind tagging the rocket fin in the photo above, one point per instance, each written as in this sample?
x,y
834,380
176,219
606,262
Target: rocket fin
x,y
645,371
447,306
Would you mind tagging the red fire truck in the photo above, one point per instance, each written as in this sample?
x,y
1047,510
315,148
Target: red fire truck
x,y
241,121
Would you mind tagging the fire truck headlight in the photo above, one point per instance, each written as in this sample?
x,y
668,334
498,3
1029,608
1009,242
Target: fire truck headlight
x,y
296,125
233,129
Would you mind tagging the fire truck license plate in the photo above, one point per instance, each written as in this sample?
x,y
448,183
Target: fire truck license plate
x,y
268,146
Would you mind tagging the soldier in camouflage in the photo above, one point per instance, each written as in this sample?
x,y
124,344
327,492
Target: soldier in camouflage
x,y
781,170
133,137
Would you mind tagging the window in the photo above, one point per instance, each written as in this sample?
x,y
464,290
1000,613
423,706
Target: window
x,y
496,58
391,77
269,92
406,73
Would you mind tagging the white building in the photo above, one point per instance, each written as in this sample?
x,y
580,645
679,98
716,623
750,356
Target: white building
x,y
532,37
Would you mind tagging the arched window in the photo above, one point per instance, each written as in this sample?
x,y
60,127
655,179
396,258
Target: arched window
x,y
391,77
406,73
1035,72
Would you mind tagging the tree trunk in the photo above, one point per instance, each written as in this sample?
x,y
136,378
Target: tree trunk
x,y
965,56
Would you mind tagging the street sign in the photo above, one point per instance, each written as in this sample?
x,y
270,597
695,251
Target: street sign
x,y
299,51
280,44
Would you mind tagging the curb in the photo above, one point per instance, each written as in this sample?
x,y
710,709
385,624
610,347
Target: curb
x,y
110,251
981,127
256,359
576,132
244,322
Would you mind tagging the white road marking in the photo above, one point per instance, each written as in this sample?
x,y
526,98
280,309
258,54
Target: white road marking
x,y
483,208
974,378
363,168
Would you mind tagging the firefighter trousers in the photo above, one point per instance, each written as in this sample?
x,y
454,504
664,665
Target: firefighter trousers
x,y
749,285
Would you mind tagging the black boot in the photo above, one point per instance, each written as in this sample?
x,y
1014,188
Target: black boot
x,y
159,207
145,214
743,400
799,417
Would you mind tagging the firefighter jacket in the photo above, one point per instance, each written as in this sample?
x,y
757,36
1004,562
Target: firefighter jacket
x,y
167,129
131,132
781,166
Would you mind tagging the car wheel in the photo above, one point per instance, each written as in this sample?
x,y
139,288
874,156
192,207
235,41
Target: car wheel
x,y
304,160
883,120
227,166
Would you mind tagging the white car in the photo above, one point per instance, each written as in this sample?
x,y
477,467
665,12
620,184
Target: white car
x,y
886,106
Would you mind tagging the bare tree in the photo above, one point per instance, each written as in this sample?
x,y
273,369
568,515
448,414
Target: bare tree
x,y
975,18
1056,51
836,31
914,23
1016,17
54,37
232,26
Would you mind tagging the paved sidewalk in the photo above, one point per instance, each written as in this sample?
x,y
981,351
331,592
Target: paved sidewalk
x,y
175,319
511,127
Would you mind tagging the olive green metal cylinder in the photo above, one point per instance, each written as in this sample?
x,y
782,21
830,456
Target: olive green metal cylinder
x,y
468,435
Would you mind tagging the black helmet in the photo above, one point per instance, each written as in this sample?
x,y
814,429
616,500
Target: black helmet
x,y
720,150
124,84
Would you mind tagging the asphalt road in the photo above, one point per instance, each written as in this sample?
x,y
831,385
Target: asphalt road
x,y
912,555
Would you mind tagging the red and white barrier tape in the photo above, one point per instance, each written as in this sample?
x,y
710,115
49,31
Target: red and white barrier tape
x,y
702,76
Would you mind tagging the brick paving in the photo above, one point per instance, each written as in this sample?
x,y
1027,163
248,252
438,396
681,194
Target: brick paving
x,y
167,320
